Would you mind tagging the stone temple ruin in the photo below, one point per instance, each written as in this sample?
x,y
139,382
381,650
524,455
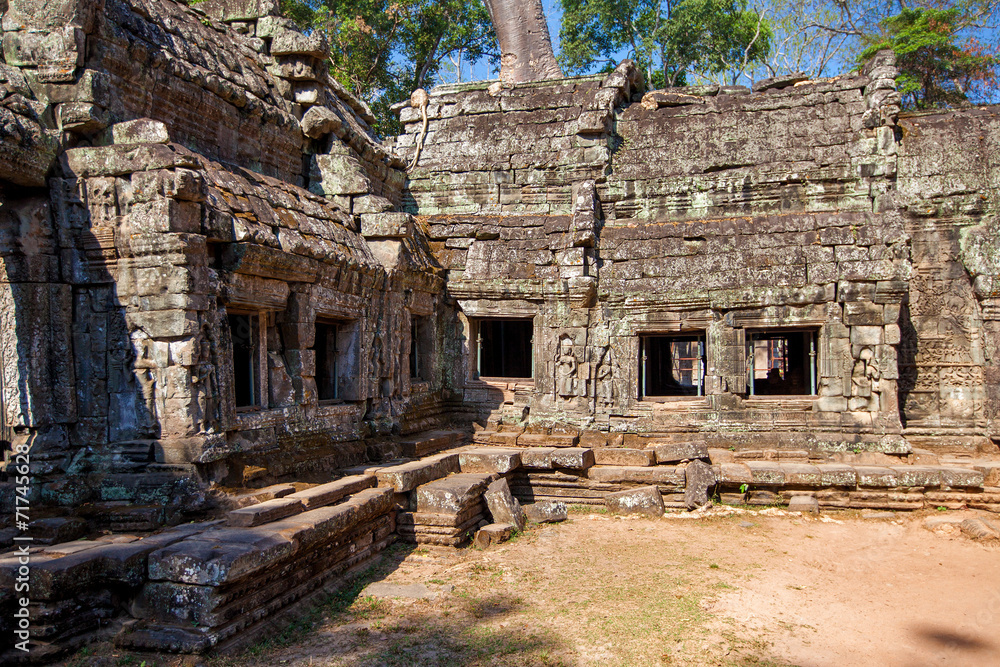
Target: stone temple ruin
x,y
246,345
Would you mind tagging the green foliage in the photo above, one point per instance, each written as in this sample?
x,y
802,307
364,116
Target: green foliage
x,y
669,40
382,50
934,71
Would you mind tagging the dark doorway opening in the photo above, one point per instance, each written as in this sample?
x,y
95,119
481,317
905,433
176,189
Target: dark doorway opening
x,y
326,361
244,332
673,365
421,348
782,363
505,348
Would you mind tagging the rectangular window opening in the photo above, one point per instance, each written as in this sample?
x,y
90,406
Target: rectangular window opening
x,y
245,333
672,365
421,348
327,385
504,349
782,363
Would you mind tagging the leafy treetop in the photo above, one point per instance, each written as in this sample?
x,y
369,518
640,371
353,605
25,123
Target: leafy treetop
x,y
670,40
935,71
382,50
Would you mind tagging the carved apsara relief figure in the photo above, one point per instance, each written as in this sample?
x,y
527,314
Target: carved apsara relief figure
x,y
206,383
866,380
605,387
147,374
565,368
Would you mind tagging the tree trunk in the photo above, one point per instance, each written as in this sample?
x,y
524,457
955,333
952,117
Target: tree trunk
x,y
525,46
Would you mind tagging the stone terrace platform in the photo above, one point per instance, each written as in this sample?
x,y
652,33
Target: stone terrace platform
x,y
220,584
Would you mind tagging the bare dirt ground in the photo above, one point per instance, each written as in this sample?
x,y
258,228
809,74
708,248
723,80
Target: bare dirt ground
x,y
747,589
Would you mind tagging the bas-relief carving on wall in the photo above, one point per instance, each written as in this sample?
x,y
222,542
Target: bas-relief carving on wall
x,y
566,366
205,383
149,377
604,386
866,380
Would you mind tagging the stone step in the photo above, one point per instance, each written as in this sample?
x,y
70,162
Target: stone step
x,y
618,456
260,495
430,442
547,440
668,475
222,556
489,459
331,492
265,512
60,571
435,519
672,452
408,476
547,458
452,494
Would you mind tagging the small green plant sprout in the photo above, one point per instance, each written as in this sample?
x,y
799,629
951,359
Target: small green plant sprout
x,y
942,509
744,488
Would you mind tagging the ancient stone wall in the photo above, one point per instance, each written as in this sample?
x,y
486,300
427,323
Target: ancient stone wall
x,y
719,214
181,184
947,196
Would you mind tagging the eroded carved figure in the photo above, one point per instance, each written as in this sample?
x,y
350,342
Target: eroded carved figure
x,y
566,368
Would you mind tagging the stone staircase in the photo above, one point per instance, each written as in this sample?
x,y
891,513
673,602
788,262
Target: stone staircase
x,y
553,467
216,588
223,584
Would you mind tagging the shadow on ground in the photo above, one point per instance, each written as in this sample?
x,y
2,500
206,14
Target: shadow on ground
x,y
352,630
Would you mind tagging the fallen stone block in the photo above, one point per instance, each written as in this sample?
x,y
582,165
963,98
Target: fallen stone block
x,y
803,504
615,456
490,459
700,478
409,476
491,534
674,453
546,511
265,512
978,529
503,507
452,494
328,494
645,500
